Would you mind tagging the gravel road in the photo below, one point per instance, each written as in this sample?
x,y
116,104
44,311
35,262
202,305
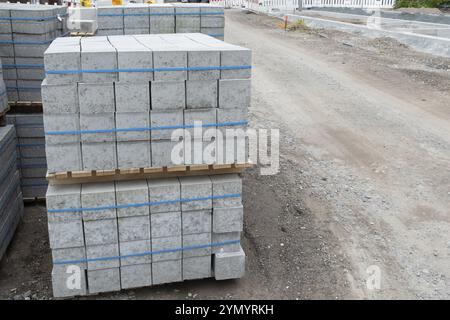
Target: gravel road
x,y
364,178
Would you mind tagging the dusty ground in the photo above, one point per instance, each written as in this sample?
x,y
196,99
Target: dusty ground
x,y
364,179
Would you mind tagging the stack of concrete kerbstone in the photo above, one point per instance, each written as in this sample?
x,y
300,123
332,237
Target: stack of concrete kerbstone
x,y
131,234
26,31
113,102
3,95
97,118
11,203
31,153
161,18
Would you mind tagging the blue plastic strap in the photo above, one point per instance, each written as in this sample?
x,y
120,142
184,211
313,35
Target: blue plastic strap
x,y
29,19
144,204
148,69
23,66
24,89
148,253
159,14
25,42
31,145
223,124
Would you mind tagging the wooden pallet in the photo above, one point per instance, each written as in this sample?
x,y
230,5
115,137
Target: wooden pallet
x,y
25,106
143,173
35,200
82,34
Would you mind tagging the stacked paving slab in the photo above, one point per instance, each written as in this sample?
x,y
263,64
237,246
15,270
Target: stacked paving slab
x,y
11,203
3,94
109,102
128,234
30,153
161,18
26,31
150,244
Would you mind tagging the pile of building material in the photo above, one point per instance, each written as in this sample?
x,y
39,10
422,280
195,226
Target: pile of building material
x,y
131,234
26,31
31,153
161,18
114,102
4,107
11,204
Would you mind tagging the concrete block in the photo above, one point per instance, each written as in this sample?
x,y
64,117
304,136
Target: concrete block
x,y
133,120
60,197
63,58
136,31
203,57
5,25
172,119
171,244
99,155
8,72
229,265
197,268
65,234
235,93
110,32
71,254
31,147
166,58
228,219
196,187
102,251
196,245
137,17
161,21
96,97
232,116
62,98
130,248
29,90
98,121
199,116
136,276
225,184
132,97
105,280
100,232
168,95
166,271
223,242
164,190
28,69
134,228
232,149
98,56
162,153
167,224
235,56
110,17
196,221
189,23
95,195
201,94
6,48
63,283
133,154
62,122
60,157
132,192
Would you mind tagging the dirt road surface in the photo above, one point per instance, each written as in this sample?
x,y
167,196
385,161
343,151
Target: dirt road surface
x,y
364,181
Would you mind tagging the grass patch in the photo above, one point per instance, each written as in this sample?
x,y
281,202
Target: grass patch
x,y
294,26
422,4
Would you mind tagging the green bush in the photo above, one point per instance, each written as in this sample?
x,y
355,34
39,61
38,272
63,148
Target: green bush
x,y
421,3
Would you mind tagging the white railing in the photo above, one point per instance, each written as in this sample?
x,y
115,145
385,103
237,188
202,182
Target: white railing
x,y
287,5
365,4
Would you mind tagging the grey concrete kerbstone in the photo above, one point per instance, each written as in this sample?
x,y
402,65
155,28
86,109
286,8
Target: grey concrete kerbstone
x,y
95,195
203,57
105,280
133,120
196,187
102,251
236,56
167,224
187,23
168,95
162,19
228,219
170,59
134,228
136,276
161,190
162,153
110,17
226,242
57,58
197,268
235,116
61,98
204,117
166,271
196,221
201,94
61,276
133,154
166,119
130,248
196,245
235,93
65,234
60,197
132,192
98,56
132,97
70,254
100,232
99,155
96,97
32,147
225,184
136,17
171,244
229,265
62,122
60,157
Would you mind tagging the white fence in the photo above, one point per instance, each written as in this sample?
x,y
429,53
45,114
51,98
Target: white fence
x,y
287,5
